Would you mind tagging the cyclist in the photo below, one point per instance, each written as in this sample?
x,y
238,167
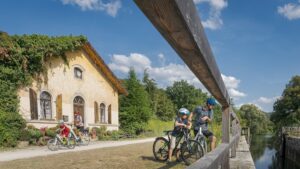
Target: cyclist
x,y
64,130
79,123
180,122
203,116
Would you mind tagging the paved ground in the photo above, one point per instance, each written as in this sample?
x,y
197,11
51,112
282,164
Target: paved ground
x,y
134,156
43,151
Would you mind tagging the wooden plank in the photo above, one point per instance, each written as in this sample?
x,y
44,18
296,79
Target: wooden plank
x,y
213,159
225,125
179,23
33,104
59,107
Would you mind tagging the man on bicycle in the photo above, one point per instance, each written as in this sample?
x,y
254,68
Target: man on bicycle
x,y
180,122
203,116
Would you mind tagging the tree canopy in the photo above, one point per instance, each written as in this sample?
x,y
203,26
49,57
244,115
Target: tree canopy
x,y
185,95
135,110
287,108
251,116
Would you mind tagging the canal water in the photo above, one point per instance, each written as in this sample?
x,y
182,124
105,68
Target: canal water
x,y
264,150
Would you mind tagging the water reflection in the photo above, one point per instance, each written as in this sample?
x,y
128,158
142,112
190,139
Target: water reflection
x,y
264,150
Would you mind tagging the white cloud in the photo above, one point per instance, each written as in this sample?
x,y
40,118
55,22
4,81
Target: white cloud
x,y
162,59
290,10
122,63
166,75
111,8
232,84
265,100
214,20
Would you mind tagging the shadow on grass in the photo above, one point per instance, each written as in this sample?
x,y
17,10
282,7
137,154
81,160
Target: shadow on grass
x,y
167,165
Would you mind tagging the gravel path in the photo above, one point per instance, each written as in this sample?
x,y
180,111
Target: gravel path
x,y
43,151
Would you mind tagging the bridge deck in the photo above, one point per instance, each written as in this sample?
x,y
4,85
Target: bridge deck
x,y
243,159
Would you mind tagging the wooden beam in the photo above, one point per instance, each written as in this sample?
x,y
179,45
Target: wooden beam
x,y
179,23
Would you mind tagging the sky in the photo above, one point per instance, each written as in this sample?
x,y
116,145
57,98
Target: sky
x,y
256,43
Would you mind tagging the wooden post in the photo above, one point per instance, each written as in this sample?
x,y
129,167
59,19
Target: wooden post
x,y
234,132
226,133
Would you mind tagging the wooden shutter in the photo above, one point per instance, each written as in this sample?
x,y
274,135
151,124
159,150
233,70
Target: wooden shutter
x,y
96,112
33,105
59,107
109,114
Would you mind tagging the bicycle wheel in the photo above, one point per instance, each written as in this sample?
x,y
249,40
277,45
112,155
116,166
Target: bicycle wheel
x,y
71,143
52,145
203,143
191,151
161,149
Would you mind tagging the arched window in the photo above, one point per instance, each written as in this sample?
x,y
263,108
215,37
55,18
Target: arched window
x,y
78,73
102,113
46,110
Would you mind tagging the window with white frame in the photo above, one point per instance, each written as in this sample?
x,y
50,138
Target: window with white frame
x,y
102,113
45,103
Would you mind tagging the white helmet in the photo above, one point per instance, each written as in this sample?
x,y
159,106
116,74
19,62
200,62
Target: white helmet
x,y
184,111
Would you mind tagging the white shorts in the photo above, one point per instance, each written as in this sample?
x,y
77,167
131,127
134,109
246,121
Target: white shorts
x,y
173,142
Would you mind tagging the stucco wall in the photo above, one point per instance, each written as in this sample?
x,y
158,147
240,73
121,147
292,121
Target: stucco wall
x,y
61,80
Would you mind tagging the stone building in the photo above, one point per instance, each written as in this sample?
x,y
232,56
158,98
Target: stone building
x,y
85,85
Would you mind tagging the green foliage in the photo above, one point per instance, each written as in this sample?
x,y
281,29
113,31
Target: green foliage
x,y
24,135
135,108
254,118
162,107
157,126
185,95
22,59
287,108
166,110
11,125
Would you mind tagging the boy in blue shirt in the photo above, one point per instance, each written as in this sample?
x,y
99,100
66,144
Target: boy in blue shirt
x,y
180,122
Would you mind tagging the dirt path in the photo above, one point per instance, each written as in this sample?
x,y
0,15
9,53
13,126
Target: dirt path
x,y
43,151
134,156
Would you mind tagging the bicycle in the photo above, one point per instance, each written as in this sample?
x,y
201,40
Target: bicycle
x,y
202,140
57,142
84,139
190,150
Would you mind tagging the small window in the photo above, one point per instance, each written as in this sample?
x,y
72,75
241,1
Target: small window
x,y
78,73
102,113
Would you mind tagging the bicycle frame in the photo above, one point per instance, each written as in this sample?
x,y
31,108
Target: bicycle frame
x,y
201,139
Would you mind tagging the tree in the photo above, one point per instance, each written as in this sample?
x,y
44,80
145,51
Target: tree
x,y
185,95
287,108
135,108
152,90
253,117
165,107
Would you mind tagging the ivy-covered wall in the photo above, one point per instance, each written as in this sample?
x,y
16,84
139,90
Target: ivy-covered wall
x,y
22,59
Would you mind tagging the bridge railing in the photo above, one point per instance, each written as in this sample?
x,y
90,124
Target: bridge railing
x,y
179,23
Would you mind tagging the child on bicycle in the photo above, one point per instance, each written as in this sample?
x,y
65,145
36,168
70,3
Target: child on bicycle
x,y
64,130
180,122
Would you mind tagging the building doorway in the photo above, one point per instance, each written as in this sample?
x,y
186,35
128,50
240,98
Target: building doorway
x,y
78,106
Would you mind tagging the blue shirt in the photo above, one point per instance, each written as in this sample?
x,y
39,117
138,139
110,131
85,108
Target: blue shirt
x,y
177,130
200,113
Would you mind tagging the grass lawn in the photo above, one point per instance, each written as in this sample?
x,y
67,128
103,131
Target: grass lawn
x,y
138,156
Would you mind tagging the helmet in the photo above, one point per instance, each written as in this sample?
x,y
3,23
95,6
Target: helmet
x,y
61,122
184,111
211,101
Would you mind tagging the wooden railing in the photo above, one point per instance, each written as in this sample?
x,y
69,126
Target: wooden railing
x,y
179,23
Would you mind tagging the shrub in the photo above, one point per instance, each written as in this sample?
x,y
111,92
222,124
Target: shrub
x,y
50,133
101,132
24,135
11,125
35,134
